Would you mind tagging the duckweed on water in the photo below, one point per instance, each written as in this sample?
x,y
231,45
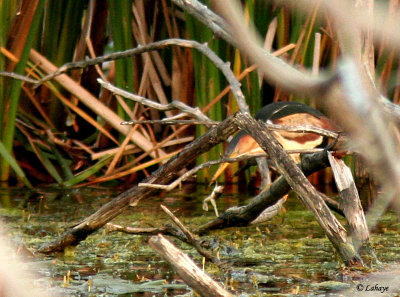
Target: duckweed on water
x,y
286,255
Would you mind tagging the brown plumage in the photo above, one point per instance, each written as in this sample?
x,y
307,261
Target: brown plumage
x,y
290,114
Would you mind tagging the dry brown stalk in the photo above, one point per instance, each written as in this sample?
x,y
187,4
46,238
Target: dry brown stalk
x,y
92,102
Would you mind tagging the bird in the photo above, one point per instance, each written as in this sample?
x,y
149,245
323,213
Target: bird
x,y
288,113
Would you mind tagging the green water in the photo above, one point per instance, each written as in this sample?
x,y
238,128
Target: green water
x,y
287,255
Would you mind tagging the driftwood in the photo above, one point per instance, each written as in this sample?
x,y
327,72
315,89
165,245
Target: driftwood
x,y
201,282
132,196
350,201
351,205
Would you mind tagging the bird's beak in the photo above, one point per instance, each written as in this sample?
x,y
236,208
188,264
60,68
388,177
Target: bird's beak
x,y
245,145
254,151
219,171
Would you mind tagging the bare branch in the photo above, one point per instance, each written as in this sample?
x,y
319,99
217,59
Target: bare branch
x,y
190,236
166,230
207,17
272,127
18,76
193,171
194,112
303,129
169,121
202,48
274,69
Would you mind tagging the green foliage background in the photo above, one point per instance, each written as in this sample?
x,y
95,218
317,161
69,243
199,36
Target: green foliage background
x,y
44,141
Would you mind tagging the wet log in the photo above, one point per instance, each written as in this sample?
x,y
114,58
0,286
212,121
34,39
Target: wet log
x,y
244,215
163,175
350,203
307,194
201,282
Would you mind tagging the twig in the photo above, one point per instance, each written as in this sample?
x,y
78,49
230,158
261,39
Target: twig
x,y
274,127
168,121
192,171
190,236
140,49
303,129
274,69
166,230
203,48
193,111
18,76
201,12
131,148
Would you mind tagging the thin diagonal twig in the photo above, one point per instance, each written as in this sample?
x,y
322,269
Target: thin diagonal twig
x,y
140,49
193,111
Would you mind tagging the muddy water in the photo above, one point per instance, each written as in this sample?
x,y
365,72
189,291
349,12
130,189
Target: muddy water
x,y
287,255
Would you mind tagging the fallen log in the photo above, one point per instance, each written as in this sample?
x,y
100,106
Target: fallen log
x,y
201,282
